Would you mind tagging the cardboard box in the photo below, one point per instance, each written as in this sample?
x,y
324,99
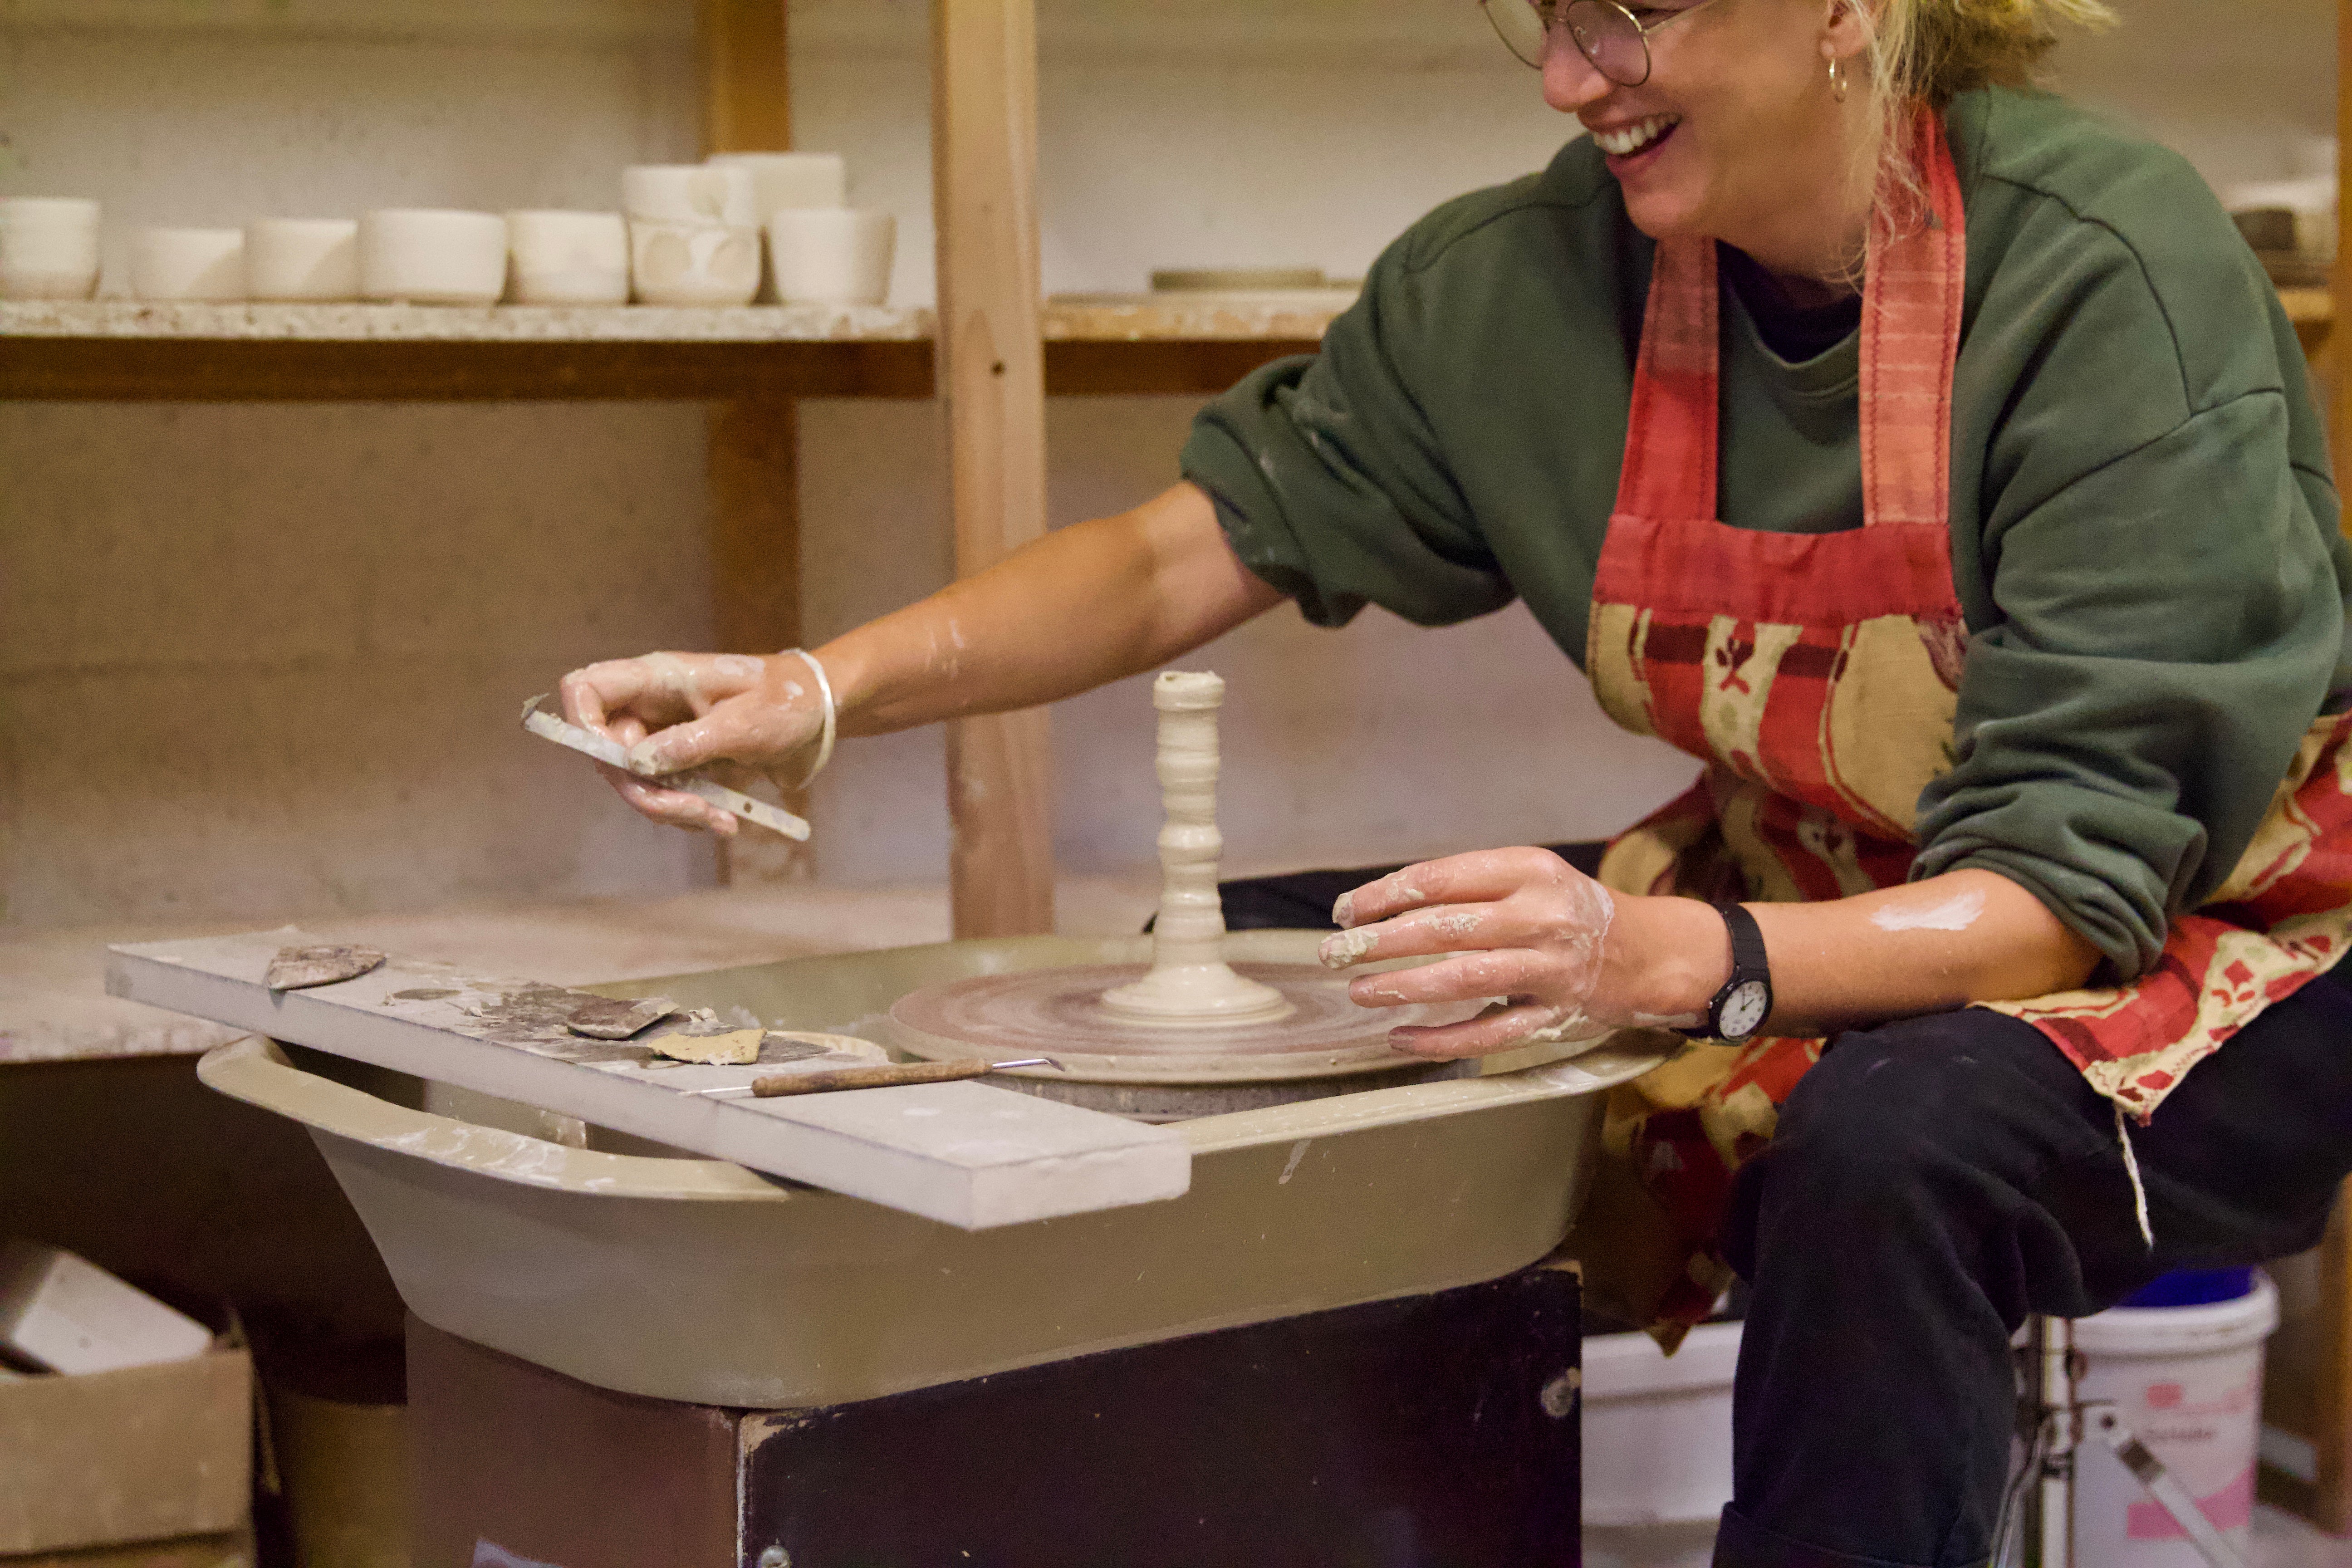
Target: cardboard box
x,y
146,1453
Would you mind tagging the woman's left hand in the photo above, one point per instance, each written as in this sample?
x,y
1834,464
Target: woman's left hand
x,y
1573,961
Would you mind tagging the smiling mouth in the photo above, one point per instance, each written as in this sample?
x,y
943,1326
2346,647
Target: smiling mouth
x,y
1632,139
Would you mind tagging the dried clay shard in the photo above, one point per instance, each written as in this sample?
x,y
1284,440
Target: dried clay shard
x,y
736,1048
618,1018
798,1045
300,968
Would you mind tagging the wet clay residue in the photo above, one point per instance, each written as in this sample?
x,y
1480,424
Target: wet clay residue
x,y
300,968
617,1018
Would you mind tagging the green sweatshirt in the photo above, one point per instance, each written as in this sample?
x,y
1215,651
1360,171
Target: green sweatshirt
x,y
2144,526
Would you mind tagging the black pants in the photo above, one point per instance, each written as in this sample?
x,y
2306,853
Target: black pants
x,y
1933,1182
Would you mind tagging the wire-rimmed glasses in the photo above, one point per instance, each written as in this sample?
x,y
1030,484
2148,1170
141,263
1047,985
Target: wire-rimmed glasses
x,y
1611,37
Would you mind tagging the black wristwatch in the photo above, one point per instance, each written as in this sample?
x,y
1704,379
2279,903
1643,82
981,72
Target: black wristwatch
x,y
1739,1009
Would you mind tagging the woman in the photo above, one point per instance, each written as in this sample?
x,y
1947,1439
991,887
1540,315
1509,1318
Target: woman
x,y
1936,465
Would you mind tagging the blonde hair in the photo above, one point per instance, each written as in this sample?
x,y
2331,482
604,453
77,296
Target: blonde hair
x,y
1924,51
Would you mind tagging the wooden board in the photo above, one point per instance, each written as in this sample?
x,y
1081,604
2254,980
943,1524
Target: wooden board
x,y
991,375
965,1154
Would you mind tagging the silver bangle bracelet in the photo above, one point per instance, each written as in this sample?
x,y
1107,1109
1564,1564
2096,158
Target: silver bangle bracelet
x,y
825,742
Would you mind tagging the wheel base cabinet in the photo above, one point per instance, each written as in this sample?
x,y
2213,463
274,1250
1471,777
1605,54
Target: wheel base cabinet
x,y
1436,1430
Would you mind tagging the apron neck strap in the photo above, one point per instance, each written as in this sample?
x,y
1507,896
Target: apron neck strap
x,y
1914,289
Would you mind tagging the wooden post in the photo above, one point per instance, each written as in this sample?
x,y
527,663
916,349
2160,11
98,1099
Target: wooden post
x,y
753,459
746,95
991,375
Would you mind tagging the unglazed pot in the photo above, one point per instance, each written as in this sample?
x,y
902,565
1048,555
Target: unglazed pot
x,y
430,256
781,180
694,233
188,264
302,260
717,193
693,264
837,255
567,258
48,248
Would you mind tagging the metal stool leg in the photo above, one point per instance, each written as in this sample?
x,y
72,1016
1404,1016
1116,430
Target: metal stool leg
x,y
2056,1431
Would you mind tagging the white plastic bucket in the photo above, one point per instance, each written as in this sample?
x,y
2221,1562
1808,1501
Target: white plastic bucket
x,y
2188,1381
1657,1428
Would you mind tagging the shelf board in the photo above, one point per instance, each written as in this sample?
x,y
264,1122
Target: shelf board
x,y
111,350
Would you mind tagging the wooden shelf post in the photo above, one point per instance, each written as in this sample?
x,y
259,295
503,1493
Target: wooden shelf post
x,y
991,365
753,461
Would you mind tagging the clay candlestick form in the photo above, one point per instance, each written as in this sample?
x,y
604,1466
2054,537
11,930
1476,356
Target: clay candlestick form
x,y
49,249
833,256
1190,982
427,256
302,260
568,258
188,264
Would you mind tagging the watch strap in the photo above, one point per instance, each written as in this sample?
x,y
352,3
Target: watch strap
x,y
1749,965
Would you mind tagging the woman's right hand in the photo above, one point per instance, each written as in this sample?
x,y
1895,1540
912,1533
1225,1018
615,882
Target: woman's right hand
x,y
680,710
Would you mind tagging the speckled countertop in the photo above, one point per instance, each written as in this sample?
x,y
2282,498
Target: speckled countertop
x,y
462,323
1109,317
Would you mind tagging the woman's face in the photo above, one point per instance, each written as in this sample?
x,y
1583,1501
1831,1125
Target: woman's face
x,y
1737,135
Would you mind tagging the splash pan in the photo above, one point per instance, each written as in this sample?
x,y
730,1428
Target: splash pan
x,y
696,1280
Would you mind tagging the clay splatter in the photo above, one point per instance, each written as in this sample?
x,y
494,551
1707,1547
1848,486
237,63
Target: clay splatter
x,y
1957,912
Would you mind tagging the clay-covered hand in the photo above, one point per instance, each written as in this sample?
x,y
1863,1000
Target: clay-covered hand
x,y
680,710
1572,961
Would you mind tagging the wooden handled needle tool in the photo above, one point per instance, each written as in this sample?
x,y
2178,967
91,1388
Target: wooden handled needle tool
x,y
888,1076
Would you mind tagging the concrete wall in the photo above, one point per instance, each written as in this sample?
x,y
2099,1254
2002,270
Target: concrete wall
x,y
263,661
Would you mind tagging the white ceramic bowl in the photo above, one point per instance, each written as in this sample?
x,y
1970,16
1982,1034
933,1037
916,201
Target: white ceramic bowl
x,y
188,264
781,180
302,258
48,248
430,256
693,264
567,258
833,256
714,194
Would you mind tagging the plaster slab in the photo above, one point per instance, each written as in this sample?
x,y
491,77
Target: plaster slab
x,y
965,1154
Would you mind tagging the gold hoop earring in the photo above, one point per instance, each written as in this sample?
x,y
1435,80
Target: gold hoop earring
x,y
1837,78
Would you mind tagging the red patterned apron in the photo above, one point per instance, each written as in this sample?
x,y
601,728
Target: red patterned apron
x,y
1817,677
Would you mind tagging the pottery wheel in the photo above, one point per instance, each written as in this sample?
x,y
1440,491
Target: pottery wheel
x,y
1326,1045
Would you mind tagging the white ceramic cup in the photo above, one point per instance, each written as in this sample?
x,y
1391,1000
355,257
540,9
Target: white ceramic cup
x,y
837,255
188,264
693,263
302,258
567,258
48,248
431,256
781,180
716,193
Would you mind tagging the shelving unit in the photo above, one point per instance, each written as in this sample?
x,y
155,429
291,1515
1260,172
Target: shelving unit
x,y
110,351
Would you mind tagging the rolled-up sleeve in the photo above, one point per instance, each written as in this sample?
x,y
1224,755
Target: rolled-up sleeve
x,y
1328,479
2169,623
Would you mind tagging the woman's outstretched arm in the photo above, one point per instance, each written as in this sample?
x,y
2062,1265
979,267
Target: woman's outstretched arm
x,y
1081,607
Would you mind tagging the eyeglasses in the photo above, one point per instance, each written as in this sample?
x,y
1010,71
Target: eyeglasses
x,y
1613,38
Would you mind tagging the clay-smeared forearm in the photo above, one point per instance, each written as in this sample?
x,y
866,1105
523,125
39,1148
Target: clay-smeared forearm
x,y
1077,608
1574,961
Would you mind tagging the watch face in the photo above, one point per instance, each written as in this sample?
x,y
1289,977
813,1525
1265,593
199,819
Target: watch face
x,y
1744,1009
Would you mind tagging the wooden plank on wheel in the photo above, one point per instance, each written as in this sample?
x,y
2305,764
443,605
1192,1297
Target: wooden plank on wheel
x,y
967,1153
